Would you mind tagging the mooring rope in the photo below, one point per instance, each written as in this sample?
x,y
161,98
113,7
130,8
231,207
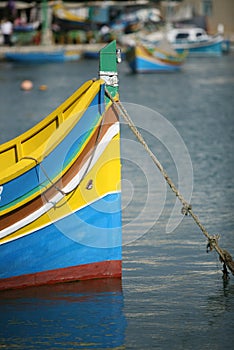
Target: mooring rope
x,y
224,256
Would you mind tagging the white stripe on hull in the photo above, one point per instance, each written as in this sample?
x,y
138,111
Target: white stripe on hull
x,y
112,131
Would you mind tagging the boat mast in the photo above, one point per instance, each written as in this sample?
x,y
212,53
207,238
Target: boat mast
x,y
46,33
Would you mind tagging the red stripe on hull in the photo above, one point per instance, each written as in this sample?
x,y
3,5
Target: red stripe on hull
x,y
104,269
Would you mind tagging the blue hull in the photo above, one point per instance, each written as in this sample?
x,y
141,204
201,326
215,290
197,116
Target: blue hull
x,y
140,65
215,49
91,235
40,57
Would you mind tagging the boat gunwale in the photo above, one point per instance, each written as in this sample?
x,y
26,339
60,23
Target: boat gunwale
x,y
90,88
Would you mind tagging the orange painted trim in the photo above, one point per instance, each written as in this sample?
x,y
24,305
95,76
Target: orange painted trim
x,y
104,269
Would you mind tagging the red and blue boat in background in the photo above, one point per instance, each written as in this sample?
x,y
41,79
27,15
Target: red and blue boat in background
x,y
60,194
142,59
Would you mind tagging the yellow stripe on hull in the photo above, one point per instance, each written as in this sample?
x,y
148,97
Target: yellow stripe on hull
x,y
106,178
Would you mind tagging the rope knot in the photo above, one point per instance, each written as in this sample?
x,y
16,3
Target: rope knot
x,y
185,209
212,242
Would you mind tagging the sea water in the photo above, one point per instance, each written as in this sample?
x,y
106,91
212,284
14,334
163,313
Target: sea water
x,y
172,294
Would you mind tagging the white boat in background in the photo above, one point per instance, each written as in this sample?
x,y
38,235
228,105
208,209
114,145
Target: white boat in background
x,y
196,41
192,39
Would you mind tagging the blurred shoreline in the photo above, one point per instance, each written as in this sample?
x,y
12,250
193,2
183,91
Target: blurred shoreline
x,y
81,48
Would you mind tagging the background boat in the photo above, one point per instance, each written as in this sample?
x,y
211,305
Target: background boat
x,y
66,20
196,41
43,55
144,60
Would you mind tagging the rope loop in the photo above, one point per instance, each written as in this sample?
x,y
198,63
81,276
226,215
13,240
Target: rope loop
x,y
45,173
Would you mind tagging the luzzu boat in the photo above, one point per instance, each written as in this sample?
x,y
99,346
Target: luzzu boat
x,y
196,41
144,60
67,20
60,190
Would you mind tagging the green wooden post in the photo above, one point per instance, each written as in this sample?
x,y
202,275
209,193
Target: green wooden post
x,y
109,57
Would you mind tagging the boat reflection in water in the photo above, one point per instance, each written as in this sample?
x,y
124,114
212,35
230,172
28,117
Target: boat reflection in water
x,y
77,315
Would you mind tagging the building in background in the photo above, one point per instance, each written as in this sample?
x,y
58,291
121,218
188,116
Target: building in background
x,y
216,14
